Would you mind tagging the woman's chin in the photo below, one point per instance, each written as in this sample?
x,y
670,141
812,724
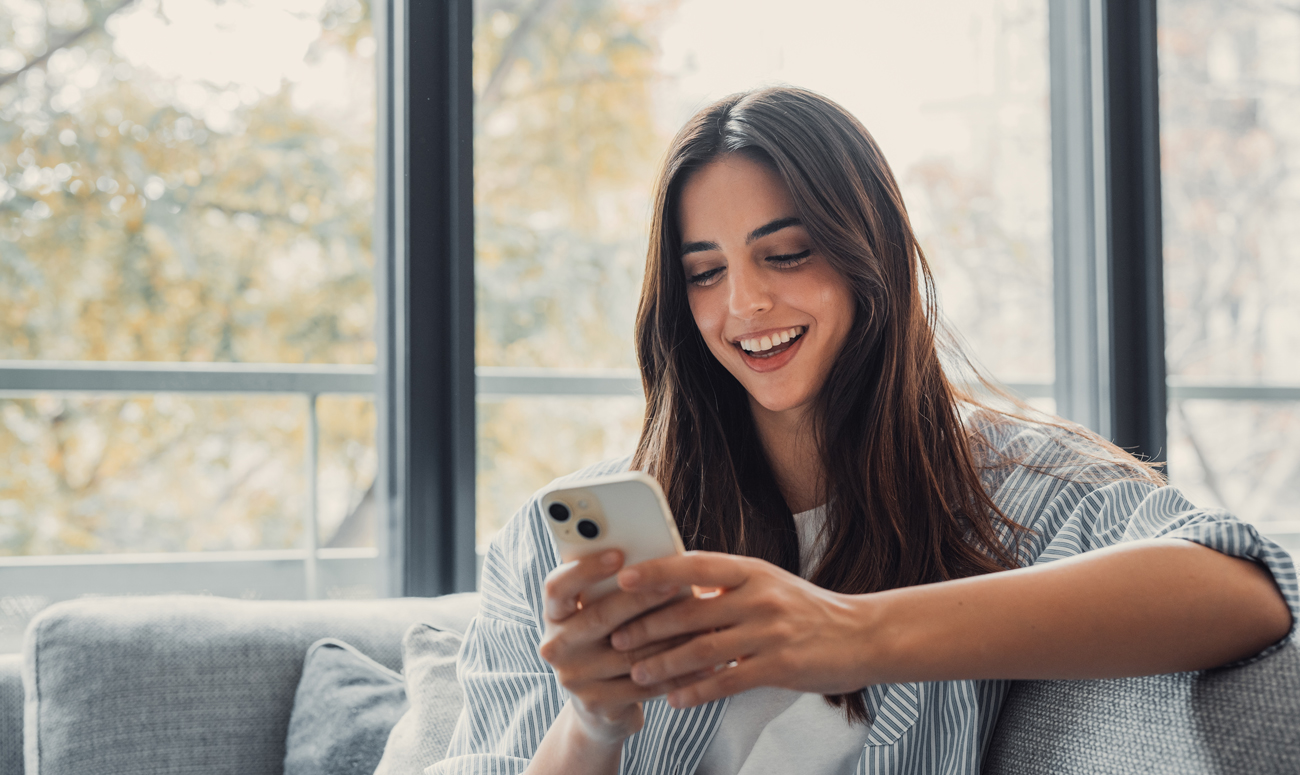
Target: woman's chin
x,y
779,401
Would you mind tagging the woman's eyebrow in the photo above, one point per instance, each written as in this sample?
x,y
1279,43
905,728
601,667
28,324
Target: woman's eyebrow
x,y
772,227
699,247
762,231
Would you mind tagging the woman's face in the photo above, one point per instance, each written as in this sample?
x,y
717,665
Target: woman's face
x,y
769,306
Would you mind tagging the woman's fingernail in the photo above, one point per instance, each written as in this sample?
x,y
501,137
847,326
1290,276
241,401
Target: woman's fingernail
x,y
640,675
629,578
609,559
618,640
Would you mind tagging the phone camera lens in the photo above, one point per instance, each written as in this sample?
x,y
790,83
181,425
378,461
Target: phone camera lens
x,y
588,529
560,513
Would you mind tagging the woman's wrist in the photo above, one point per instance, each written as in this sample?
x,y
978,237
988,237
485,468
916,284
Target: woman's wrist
x,y
569,747
879,638
593,737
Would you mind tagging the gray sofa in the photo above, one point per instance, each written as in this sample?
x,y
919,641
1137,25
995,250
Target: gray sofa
x,y
202,685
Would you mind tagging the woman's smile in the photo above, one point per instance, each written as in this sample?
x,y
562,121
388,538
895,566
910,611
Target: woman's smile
x,y
771,351
771,342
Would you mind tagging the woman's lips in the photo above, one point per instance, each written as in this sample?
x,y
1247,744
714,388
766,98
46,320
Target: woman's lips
x,y
771,362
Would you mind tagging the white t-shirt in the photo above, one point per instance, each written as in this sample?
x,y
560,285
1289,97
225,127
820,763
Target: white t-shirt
x,y
770,730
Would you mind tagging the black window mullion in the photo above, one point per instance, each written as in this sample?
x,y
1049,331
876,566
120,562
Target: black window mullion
x,y
1109,290
1136,252
425,254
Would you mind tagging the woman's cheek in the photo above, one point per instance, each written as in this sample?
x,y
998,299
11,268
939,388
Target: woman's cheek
x,y
708,327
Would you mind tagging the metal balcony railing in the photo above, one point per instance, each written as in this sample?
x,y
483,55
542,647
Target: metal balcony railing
x,y
309,569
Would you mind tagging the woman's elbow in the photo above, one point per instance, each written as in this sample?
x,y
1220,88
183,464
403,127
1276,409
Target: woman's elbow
x,y
1266,616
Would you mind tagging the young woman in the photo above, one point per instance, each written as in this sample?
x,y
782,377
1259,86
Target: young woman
x,y
889,551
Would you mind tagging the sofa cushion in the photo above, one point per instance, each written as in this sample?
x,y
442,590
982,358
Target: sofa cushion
x,y
187,684
11,713
346,705
1239,720
421,737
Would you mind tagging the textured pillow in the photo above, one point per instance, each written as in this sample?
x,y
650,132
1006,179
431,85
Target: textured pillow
x,y
346,705
421,737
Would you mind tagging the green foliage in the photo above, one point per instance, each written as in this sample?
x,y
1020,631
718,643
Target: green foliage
x,y
565,148
133,229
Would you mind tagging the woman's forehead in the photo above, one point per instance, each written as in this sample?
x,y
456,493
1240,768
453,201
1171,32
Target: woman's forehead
x,y
732,198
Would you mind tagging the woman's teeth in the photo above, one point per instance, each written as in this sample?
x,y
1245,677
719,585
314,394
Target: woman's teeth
x,y
765,343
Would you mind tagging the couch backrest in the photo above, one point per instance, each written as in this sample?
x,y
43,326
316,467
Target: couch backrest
x,y
1243,720
11,714
181,684
199,684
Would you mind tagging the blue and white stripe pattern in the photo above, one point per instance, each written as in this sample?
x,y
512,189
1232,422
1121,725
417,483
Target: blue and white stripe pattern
x,y
1073,502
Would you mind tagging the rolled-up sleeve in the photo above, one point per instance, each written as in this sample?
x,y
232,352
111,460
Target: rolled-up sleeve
x,y
1079,517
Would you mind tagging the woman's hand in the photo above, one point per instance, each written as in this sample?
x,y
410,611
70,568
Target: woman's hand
x,y
575,641
772,628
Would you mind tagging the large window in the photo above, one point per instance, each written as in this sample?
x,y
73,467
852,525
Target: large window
x,y
186,303
271,269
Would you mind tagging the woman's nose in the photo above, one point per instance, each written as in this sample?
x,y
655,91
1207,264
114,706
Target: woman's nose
x,y
750,294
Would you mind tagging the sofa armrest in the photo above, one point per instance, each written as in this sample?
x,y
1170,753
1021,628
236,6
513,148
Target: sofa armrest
x,y
190,684
1239,720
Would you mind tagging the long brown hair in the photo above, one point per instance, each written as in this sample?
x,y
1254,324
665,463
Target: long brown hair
x,y
902,488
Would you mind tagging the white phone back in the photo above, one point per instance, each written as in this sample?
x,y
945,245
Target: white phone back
x,y
632,516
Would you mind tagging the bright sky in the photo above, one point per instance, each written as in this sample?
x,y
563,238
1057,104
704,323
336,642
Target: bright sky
x,y
884,60
240,45
899,66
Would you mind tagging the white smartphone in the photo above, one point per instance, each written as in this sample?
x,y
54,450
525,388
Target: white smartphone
x,y
626,511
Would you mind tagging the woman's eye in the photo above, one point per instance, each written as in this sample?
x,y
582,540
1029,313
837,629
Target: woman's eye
x,y
789,260
706,278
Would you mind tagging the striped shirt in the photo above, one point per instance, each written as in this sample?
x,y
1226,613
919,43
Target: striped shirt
x,y
1072,501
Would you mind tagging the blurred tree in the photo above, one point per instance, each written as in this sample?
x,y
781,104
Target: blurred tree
x,y
1230,148
565,148
135,226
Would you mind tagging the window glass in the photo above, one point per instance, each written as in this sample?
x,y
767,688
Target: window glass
x,y
184,181
1253,473
162,472
526,441
1230,150
169,472
348,460
578,101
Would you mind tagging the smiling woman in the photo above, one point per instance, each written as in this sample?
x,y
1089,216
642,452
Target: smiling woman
x,y
883,550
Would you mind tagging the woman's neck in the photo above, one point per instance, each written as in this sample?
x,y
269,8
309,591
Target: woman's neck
x,y
790,442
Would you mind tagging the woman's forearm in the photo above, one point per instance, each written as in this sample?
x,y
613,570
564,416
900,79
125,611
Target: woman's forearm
x,y
567,749
1142,608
